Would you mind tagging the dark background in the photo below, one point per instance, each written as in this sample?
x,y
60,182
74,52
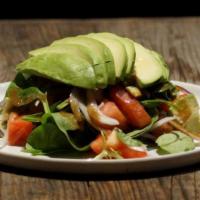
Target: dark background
x,y
96,8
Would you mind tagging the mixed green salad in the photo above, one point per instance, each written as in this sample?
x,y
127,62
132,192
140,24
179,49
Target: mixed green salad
x,y
101,96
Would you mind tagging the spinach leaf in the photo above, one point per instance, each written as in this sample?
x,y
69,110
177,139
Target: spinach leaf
x,y
58,152
152,103
48,138
33,151
52,136
174,142
20,97
140,132
66,121
16,97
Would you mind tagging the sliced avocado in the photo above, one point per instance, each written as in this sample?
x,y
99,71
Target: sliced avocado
x,y
102,58
118,51
72,49
148,69
61,67
163,63
130,50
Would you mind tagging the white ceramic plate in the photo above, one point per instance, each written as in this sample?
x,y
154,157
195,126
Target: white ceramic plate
x,y
13,156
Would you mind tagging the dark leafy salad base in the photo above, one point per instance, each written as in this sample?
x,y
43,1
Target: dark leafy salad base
x,y
124,119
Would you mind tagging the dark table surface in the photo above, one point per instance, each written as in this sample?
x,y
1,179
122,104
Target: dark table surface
x,y
177,39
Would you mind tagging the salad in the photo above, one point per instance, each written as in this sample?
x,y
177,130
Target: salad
x,y
97,95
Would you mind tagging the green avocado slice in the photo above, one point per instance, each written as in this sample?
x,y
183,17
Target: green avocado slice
x,y
130,50
148,69
102,58
61,67
72,49
164,65
118,51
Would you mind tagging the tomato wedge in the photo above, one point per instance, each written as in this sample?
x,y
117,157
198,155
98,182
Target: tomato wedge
x,y
18,130
110,109
97,144
132,153
112,142
130,107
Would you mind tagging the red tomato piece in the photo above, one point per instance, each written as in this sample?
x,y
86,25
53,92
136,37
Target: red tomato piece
x,y
97,144
128,152
110,109
130,107
18,130
113,143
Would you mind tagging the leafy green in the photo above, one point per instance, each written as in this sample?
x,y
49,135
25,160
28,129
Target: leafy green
x,y
63,104
20,97
126,139
168,86
52,135
48,138
53,107
66,121
45,118
174,142
108,154
140,132
33,118
16,96
33,151
152,103
186,109
21,81
129,138
167,90
162,90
